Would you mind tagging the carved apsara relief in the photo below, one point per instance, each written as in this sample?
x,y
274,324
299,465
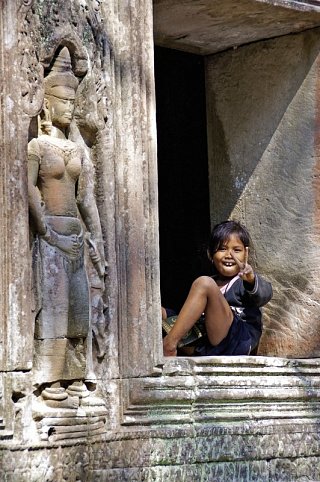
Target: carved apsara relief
x,y
64,218
68,260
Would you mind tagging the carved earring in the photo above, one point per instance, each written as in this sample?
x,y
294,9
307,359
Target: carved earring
x,y
44,121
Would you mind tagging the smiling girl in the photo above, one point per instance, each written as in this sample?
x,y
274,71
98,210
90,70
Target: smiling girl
x,y
230,300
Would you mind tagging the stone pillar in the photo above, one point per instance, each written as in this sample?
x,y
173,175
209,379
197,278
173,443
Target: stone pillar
x,y
116,41
140,347
16,331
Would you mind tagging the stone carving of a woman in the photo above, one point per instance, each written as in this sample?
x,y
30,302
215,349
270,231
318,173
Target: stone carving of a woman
x,y
64,217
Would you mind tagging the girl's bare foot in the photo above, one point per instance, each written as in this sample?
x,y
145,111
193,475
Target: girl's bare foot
x,y
169,347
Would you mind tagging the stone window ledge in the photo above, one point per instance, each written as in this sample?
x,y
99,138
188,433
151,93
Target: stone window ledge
x,y
224,389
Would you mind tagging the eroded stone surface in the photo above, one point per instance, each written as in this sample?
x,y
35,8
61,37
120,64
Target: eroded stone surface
x,y
243,418
206,27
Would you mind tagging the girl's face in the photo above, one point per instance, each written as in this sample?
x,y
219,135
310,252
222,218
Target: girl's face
x,y
223,259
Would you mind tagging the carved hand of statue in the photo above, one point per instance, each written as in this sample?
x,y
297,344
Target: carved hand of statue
x,y
97,256
69,244
45,124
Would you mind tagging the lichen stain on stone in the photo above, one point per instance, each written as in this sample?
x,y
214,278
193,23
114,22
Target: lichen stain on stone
x,y
239,183
14,316
9,104
316,172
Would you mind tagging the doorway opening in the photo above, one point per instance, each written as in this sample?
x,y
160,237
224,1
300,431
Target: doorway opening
x,y
184,218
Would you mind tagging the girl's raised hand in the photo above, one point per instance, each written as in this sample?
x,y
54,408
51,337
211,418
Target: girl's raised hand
x,y
246,272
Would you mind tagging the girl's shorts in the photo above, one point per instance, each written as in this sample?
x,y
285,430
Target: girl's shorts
x,y
240,340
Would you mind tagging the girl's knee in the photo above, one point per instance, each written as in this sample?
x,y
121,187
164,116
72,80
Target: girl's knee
x,y
204,283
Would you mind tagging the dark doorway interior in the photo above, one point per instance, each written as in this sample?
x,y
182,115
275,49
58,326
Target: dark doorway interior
x,y
183,172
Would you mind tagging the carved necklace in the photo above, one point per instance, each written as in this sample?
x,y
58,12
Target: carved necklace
x,y
65,146
68,154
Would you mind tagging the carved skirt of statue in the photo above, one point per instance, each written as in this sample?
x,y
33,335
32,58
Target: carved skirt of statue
x,y
63,311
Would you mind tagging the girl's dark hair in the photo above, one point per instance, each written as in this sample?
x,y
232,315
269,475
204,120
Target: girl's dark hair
x,y
222,232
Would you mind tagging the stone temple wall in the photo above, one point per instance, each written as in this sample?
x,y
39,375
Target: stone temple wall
x,y
96,401
263,109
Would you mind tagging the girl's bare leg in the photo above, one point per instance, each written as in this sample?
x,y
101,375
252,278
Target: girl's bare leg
x,y
204,297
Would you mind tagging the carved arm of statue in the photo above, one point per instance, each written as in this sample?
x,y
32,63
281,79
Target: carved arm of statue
x,y
90,216
36,206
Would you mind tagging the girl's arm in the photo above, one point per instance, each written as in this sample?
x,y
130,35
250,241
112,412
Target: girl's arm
x,y
260,293
259,290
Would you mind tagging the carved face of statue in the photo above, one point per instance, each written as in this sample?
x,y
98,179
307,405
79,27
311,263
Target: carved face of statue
x,y
60,104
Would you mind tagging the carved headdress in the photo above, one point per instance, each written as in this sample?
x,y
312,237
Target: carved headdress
x,y
61,75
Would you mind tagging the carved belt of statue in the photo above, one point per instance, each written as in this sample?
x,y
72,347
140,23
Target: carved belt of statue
x,y
64,304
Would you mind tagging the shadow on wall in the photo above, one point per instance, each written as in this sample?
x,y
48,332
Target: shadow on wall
x,y
249,90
